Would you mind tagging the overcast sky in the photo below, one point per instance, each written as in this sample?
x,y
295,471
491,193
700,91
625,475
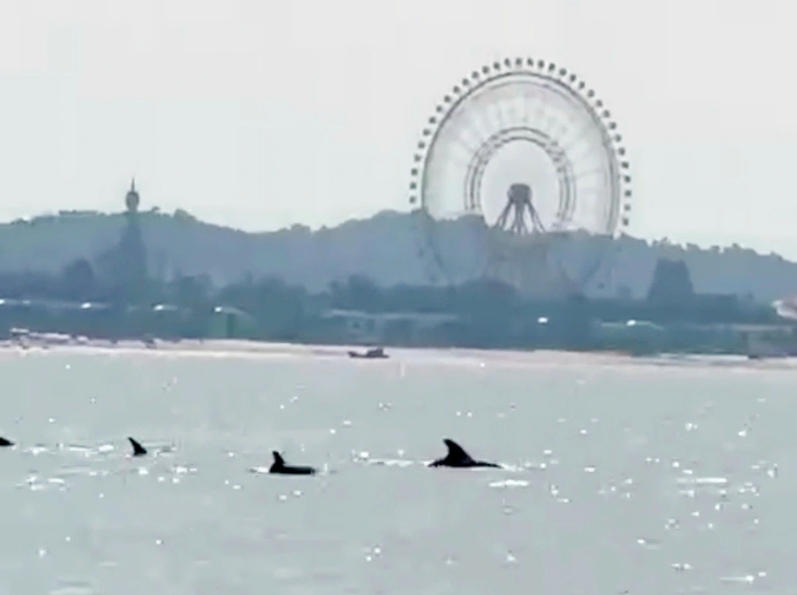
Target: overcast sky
x,y
259,114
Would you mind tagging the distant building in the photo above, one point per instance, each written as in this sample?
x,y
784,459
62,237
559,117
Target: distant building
x,y
671,282
786,307
132,199
228,322
130,266
365,328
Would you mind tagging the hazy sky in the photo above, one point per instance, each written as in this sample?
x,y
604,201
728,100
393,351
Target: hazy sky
x,y
259,114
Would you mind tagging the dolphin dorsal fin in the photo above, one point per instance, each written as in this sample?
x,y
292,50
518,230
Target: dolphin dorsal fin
x,y
278,460
138,450
455,451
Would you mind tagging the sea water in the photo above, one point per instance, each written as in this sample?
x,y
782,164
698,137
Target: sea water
x,y
621,477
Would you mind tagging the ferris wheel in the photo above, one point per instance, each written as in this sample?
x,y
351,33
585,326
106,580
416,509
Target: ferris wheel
x,y
521,171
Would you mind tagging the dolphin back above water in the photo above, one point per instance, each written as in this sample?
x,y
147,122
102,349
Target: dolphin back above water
x,y
279,467
457,457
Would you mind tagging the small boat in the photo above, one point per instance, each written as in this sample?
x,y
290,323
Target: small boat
x,y
375,353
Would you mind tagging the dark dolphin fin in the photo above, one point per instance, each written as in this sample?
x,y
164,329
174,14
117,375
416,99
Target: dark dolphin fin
x,y
282,468
5,442
138,450
458,457
279,462
456,454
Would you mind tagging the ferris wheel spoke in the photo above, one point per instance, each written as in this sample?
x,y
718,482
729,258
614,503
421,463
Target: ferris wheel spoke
x,y
464,147
553,129
515,104
582,152
588,175
561,129
459,149
512,108
540,113
494,118
523,101
505,115
529,109
546,121
502,114
477,132
580,137
478,126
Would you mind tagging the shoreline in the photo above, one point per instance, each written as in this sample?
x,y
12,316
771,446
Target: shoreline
x,y
217,348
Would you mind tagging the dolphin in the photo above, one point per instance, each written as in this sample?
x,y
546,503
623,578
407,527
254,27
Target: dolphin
x,y
279,467
5,442
138,450
457,457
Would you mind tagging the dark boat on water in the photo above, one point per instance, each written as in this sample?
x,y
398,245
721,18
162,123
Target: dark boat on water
x,y
375,353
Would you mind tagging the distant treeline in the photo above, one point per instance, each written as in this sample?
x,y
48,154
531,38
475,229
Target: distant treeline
x,y
390,248
482,314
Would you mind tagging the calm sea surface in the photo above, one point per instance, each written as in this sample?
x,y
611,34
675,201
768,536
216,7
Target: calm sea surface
x,y
623,478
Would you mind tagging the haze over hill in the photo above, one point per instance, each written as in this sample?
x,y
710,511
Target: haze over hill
x,y
384,247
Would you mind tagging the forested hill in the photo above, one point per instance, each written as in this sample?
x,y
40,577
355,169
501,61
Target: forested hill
x,y
384,247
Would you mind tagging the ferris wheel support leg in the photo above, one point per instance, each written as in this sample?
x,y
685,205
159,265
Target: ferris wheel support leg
x,y
504,216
